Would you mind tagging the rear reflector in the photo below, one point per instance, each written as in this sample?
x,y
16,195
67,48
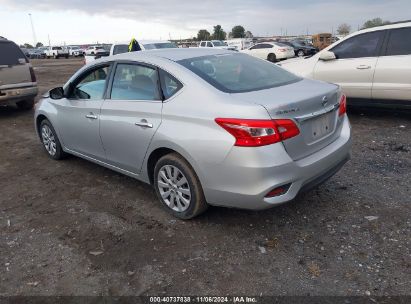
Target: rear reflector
x,y
33,76
278,191
343,105
257,132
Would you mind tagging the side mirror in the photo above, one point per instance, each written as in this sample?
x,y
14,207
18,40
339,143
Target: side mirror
x,y
327,56
56,93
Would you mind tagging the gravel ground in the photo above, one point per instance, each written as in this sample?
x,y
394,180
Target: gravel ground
x,y
74,228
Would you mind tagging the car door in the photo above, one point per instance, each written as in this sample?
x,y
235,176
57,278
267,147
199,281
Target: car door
x,y
255,50
392,78
131,116
355,65
79,112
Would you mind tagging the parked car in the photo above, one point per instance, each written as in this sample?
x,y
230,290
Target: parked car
x,y
56,52
216,44
75,51
36,54
254,138
240,43
272,51
301,49
95,49
25,51
18,85
322,40
372,66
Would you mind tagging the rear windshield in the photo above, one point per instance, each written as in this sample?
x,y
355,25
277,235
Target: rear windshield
x,y
166,45
120,48
10,53
237,73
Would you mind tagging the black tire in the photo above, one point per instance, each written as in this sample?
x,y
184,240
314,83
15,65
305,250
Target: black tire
x,y
56,57
67,56
25,105
197,203
271,57
300,53
59,153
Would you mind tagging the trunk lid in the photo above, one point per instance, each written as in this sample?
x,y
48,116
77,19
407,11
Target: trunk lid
x,y
313,105
13,66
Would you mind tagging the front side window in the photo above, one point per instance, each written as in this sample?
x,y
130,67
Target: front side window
x,y
399,42
236,73
209,44
91,85
135,82
256,47
364,45
266,46
169,84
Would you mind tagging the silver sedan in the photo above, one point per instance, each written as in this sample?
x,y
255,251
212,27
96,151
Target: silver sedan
x,y
203,126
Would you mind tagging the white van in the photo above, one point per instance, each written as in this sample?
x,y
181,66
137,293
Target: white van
x,y
240,43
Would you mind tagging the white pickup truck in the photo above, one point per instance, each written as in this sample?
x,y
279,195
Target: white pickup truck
x,y
56,52
118,48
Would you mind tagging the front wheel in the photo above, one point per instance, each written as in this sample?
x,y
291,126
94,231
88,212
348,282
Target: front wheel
x,y
50,141
300,53
178,188
272,58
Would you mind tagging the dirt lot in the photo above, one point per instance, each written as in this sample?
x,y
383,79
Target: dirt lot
x,y
74,228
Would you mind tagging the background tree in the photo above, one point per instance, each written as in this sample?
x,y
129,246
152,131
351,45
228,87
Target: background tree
x,y
203,35
39,44
344,29
374,22
238,32
28,46
248,34
219,33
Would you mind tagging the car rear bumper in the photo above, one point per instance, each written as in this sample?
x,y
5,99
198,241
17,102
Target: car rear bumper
x,y
245,185
17,94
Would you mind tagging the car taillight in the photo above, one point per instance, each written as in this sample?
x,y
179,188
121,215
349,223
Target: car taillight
x,y
256,132
33,76
343,105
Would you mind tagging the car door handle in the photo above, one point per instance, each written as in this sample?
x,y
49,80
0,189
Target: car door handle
x,y
144,123
363,67
91,116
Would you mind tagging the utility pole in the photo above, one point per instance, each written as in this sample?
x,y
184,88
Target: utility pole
x,y
32,29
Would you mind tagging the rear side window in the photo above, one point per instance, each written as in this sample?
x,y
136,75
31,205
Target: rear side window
x,y
364,45
135,82
169,84
399,42
10,54
209,44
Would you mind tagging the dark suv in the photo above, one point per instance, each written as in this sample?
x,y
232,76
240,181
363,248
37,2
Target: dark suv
x,y
300,48
18,85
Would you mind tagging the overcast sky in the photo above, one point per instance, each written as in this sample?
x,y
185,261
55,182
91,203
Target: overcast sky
x,y
91,21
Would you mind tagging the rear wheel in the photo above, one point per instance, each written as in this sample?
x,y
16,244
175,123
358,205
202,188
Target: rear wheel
x,y
178,188
50,140
300,53
25,105
272,58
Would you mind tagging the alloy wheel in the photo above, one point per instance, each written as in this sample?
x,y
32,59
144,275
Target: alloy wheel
x,y
49,140
174,188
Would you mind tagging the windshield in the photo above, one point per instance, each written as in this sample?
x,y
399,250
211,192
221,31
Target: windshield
x,y
120,48
218,43
236,73
161,45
